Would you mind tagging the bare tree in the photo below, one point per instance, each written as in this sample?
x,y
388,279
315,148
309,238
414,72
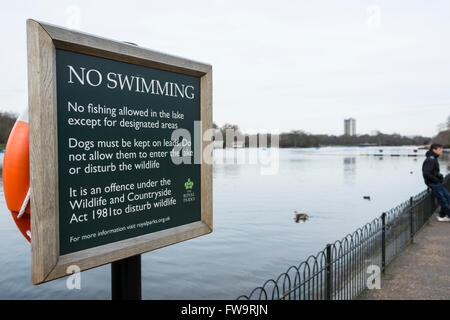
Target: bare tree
x,y
7,121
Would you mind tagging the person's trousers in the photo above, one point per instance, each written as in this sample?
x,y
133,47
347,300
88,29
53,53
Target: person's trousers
x,y
443,197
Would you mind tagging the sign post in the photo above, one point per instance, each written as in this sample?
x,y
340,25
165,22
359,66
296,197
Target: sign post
x,y
116,153
126,281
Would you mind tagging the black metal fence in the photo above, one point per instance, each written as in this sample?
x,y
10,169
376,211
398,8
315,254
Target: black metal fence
x,y
340,271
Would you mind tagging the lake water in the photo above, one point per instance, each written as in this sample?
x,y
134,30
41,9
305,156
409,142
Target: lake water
x,y
255,237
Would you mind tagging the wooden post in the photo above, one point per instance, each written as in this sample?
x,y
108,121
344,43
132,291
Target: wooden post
x,y
126,283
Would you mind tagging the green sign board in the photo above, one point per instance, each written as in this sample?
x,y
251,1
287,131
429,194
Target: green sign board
x,y
117,179
117,149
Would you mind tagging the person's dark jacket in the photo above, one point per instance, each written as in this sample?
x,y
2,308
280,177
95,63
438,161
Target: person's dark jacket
x,y
430,169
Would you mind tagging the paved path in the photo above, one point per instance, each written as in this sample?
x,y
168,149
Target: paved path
x,y
422,270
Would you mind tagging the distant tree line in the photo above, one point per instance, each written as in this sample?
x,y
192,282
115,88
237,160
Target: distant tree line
x,y
7,121
444,125
301,139
443,136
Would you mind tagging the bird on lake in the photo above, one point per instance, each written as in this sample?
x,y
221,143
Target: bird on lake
x,y
300,216
366,197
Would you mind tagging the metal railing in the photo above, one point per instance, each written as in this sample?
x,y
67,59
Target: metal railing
x,y
340,270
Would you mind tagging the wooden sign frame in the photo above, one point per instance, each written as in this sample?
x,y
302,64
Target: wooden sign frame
x,y
42,41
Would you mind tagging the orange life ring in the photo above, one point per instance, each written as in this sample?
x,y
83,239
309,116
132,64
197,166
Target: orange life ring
x,y
16,175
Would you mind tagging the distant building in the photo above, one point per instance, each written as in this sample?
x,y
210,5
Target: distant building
x,y
350,127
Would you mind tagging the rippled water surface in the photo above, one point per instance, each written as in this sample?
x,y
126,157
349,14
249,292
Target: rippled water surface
x,y
255,236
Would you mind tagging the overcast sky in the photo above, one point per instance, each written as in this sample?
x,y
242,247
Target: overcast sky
x,y
282,65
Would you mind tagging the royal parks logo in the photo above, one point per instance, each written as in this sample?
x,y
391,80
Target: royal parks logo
x,y
188,184
189,195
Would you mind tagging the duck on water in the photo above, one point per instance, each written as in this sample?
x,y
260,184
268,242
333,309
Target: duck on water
x,y
300,216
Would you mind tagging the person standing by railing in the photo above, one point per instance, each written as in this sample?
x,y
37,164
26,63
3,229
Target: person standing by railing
x,y
433,179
